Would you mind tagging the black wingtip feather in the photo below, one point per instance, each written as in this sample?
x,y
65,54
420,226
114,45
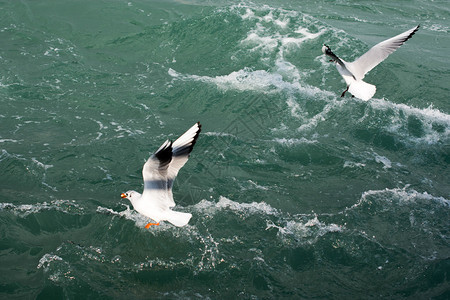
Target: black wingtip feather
x,y
402,41
186,150
164,154
412,33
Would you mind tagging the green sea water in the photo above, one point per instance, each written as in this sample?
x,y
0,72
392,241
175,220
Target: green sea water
x,y
295,192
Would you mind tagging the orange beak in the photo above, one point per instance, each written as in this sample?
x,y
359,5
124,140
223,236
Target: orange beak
x,y
123,195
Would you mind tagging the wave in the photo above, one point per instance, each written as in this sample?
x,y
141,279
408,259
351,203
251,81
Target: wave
x,y
302,228
209,245
290,229
384,216
8,141
224,203
129,214
434,123
307,232
401,195
294,141
23,210
248,79
35,168
272,34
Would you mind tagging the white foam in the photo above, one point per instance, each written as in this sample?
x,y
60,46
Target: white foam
x,y
107,175
58,269
44,166
227,204
5,154
45,260
210,253
243,80
294,141
296,110
266,38
428,117
139,220
290,228
437,28
52,51
281,75
205,259
351,164
257,186
322,116
303,232
306,36
122,130
384,160
249,80
8,141
265,14
249,14
402,195
23,210
264,44
100,124
207,253
174,73
219,134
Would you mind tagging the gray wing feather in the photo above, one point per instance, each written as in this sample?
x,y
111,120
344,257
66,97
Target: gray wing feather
x,y
155,170
378,53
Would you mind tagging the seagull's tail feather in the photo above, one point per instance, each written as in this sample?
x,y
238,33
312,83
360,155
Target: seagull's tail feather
x,y
177,218
362,90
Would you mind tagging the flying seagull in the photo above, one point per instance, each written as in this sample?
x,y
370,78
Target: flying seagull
x,y
354,72
159,173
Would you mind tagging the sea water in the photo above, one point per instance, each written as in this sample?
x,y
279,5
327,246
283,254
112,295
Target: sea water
x,y
295,192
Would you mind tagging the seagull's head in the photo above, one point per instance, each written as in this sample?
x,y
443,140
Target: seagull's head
x,y
131,195
326,49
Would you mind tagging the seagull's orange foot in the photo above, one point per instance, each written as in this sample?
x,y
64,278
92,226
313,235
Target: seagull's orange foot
x,y
150,224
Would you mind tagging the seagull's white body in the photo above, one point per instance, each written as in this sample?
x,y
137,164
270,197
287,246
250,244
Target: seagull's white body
x,y
159,173
354,72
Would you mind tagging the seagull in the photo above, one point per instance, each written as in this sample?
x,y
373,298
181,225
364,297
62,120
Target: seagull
x,y
354,72
159,173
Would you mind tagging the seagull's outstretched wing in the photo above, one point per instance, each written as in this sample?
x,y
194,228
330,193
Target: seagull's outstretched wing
x,y
378,53
182,147
162,167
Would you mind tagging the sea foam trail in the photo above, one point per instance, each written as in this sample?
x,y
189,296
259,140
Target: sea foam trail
x,y
429,118
272,32
128,214
23,210
411,212
254,80
401,195
299,228
227,204
290,229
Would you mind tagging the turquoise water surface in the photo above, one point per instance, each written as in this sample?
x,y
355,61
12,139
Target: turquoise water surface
x,y
295,192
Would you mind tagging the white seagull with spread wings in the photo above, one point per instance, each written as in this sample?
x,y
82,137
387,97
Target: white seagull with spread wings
x,y
159,173
354,72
